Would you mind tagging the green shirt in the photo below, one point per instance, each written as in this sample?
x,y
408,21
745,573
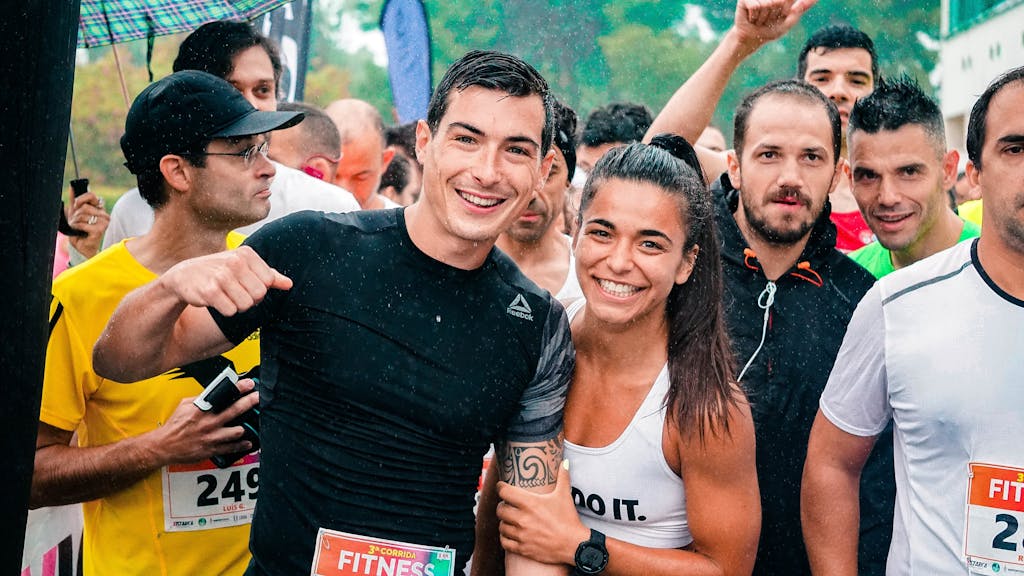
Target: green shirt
x,y
878,260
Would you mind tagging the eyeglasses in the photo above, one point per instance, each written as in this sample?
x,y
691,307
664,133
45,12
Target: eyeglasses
x,y
248,155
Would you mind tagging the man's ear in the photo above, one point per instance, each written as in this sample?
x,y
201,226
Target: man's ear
x,y
177,172
545,168
973,175
842,171
950,162
389,154
423,137
321,165
733,163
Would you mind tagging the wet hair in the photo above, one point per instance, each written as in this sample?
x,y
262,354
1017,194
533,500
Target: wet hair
x,y
320,134
700,359
214,45
794,89
895,104
151,188
979,114
493,71
402,137
396,175
835,37
617,122
565,137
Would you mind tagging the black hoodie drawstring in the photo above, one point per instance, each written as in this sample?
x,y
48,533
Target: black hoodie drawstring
x,y
764,302
766,298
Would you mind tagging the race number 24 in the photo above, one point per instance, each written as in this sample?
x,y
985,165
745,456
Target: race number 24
x,y
995,514
232,490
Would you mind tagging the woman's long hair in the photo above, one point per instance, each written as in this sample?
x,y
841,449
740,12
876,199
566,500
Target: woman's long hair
x,y
700,359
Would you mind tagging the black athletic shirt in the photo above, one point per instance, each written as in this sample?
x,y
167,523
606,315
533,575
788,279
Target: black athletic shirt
x,y
385,375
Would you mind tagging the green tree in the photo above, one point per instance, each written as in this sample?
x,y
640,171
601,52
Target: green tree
x,y
591,51
335,73
98,107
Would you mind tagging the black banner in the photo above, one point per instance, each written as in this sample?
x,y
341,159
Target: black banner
x,y
289,26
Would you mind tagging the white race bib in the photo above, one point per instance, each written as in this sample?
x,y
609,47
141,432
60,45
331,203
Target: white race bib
x,y
994,532
202,496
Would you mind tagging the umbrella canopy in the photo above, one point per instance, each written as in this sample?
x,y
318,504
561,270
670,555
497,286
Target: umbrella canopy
x,y
108,21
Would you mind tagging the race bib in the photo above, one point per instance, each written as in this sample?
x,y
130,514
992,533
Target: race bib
x,y
341,554
202,496
994,533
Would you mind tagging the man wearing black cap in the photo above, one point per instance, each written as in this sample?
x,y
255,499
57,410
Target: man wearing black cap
x,y
153,503
251,63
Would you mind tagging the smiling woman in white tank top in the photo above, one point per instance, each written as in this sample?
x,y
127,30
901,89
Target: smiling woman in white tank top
x,y
658,437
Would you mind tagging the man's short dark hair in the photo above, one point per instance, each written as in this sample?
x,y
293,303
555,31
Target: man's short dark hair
x,y
979,114
213,46
493,71
796,89
618,122
403,137
895,104
396,175
320,134
565,136
834,37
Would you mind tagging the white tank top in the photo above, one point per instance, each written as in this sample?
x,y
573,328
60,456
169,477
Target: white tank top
x,y
626,489
571,288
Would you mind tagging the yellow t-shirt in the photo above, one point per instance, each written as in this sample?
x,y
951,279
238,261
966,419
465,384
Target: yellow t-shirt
x,y
971,211
181,519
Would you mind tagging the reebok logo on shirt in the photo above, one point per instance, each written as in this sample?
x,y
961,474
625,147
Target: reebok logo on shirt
x,y
520,308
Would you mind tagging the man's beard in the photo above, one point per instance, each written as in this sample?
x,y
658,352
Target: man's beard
x,y
528,235
775,235
1011,230
532,232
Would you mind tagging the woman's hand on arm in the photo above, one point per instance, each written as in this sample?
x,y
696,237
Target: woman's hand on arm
x,y
542,527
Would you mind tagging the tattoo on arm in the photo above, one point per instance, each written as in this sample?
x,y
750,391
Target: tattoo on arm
x,y
530,465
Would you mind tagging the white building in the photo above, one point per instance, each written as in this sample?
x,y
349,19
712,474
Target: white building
x,y
981,39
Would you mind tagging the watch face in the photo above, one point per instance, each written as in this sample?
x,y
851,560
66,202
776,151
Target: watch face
x,y
591,559
591,556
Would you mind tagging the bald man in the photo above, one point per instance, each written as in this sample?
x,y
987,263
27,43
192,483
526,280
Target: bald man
x,y
363,156
313,147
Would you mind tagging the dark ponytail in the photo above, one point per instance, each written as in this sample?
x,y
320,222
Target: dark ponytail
x,y
700,361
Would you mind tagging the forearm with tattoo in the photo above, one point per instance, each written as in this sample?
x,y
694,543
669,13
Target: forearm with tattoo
x,y
530,465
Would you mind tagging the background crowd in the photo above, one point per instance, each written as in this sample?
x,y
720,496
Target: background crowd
x,y
770,361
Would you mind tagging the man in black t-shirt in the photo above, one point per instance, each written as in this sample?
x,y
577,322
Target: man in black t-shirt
x,y
384,379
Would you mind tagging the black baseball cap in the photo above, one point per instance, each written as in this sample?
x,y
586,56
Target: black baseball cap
x,y
176,114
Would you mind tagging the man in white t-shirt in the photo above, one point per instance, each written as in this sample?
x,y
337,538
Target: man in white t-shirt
x,y
936,348
535,241
313,148
249,62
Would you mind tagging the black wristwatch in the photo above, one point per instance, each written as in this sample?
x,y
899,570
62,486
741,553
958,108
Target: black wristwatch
x,y
591,555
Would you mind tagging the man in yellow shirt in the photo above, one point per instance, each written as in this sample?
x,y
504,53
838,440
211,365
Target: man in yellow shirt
x,y
153,502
